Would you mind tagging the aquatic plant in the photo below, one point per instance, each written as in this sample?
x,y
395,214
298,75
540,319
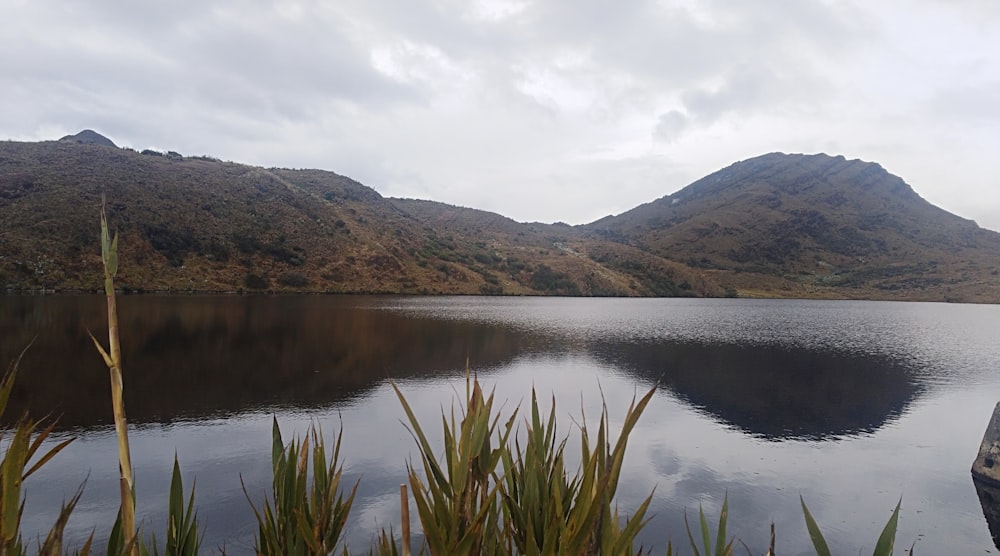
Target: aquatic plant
x,y
308,514
458,504
182,521
547,510
489,495
883,546
722,548
113,359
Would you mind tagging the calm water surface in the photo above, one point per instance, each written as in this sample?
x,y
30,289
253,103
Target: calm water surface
x,y
848,404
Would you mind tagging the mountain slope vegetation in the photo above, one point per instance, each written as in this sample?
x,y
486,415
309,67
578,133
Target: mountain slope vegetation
x,y
199,224
777,225
806,224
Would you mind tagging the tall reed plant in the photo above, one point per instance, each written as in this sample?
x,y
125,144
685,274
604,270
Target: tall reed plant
x,y
182,538
113,359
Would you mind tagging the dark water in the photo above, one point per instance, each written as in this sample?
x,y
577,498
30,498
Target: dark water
x,y
849,404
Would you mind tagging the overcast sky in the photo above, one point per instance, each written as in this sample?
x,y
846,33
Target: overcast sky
x,y
539,110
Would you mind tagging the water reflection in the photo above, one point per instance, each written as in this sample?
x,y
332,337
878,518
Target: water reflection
x,y
989,498
196,357
772,391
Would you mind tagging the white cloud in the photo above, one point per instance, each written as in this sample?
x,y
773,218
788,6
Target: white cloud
x,y
537,110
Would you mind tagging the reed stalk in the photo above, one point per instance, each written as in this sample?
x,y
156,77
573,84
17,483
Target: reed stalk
x,y
404,501
113,359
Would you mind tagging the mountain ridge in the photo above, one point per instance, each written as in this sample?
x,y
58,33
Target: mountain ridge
x,y
776,225
815,218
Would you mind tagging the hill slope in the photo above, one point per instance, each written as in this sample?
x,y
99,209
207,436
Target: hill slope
x,y
809,224
199,224
776,225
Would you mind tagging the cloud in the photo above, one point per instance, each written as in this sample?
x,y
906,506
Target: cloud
x,y
672,125
501,101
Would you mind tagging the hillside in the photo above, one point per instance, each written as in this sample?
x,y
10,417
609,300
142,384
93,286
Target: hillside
x,y
597,266
815,224
200,224
777,225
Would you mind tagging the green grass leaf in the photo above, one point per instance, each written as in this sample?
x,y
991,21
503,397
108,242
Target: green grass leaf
x,y
887,539
819,543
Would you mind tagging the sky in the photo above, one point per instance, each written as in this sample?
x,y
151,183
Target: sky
x,y
540,110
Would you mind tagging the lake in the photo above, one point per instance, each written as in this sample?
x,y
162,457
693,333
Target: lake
x,y
849,404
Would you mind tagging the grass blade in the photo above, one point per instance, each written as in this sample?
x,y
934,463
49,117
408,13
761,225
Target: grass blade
x,y
887,539
704,531
720,539
819,543
687,527
53,542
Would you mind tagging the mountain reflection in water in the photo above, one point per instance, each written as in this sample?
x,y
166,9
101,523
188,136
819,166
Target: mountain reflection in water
x,y
196,357
773,391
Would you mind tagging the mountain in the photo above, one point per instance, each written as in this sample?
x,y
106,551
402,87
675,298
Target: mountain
x,y
810,224
89,137
777,225
200,224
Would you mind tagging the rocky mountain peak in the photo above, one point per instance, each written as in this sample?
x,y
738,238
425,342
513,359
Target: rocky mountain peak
x,y
89,137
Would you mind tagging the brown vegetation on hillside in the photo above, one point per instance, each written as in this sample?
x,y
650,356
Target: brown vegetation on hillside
x,y
815,226
200,224
776,225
